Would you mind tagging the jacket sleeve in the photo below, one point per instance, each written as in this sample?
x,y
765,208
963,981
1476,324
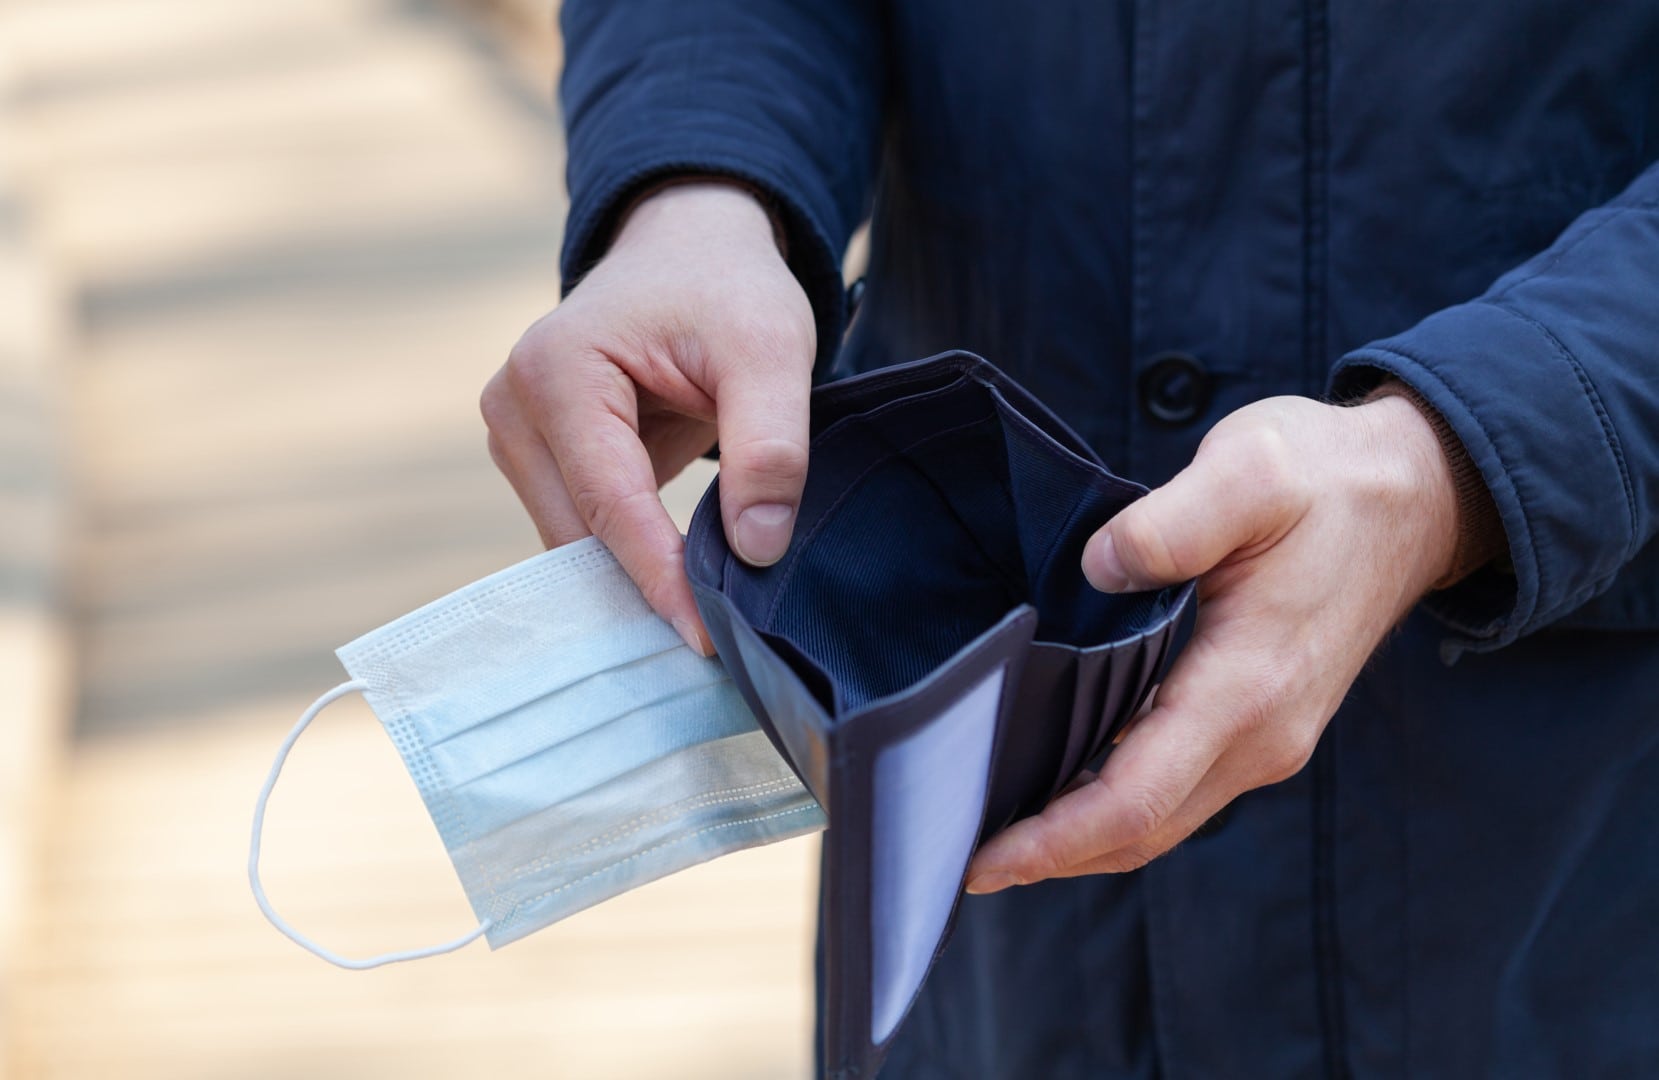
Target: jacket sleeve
x,y
785,95
1551,381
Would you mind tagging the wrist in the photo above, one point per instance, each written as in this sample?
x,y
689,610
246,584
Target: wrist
x,y
703,208
1421,491
1480,536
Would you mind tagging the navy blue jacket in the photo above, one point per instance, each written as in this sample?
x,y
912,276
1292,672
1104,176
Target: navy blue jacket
x,y
1151,214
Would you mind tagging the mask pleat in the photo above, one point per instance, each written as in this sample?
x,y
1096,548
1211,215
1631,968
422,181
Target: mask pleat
x,y
567,710
670,813
501,796
521,634
554,720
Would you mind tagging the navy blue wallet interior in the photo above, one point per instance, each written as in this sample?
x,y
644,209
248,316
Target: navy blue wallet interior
x,y
928,655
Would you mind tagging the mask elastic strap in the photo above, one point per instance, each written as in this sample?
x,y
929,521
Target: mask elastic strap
x,y
354,686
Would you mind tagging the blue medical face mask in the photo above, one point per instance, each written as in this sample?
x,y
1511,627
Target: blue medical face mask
x,y
566,742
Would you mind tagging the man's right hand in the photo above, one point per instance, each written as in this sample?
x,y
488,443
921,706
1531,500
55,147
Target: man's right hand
x,y
690,328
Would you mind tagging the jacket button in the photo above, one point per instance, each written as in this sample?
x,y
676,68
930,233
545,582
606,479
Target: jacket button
x,y
1174,388
855,297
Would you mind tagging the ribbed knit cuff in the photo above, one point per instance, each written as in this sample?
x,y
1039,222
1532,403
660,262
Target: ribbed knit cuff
x,y
1480,535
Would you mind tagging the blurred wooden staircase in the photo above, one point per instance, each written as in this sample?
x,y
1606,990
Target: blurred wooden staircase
x,y
294,240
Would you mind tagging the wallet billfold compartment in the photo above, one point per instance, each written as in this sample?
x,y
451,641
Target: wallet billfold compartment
x,y
927,655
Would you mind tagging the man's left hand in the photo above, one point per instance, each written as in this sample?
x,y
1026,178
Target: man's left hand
x,y
1312,529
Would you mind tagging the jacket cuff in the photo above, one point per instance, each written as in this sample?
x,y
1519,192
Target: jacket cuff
x,y
1525,413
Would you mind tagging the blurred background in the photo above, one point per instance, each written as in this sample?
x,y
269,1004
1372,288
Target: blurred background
x,y
256,262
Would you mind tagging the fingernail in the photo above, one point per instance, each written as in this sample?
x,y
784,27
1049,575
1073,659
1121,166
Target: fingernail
x,y
1104,569
995,881
688,630
763,533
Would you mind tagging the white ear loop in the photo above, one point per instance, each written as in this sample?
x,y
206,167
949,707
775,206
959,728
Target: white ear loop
x,y
354,686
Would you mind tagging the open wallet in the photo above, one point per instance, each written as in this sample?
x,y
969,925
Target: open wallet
x,y
927,655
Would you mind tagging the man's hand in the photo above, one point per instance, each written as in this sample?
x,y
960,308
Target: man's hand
x,y
690,327
1313,530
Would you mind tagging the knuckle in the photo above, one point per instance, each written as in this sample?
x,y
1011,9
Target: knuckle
x,y
1253,717
1145,810
550,378
1143,544
1261,459
609,510
521,374
596,499
1045,858
495,405
1283,764
760,334
1291,755
531,347
594,382
533,357
767,460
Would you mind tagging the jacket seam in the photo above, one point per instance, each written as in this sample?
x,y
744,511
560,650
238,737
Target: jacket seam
x,y
1327,945
1141,227
1163,996
1315,191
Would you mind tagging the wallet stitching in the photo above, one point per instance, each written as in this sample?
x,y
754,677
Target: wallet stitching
x,y
838,429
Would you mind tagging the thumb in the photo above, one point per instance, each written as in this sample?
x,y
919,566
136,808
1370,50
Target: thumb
x,y
1214,507
761,412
